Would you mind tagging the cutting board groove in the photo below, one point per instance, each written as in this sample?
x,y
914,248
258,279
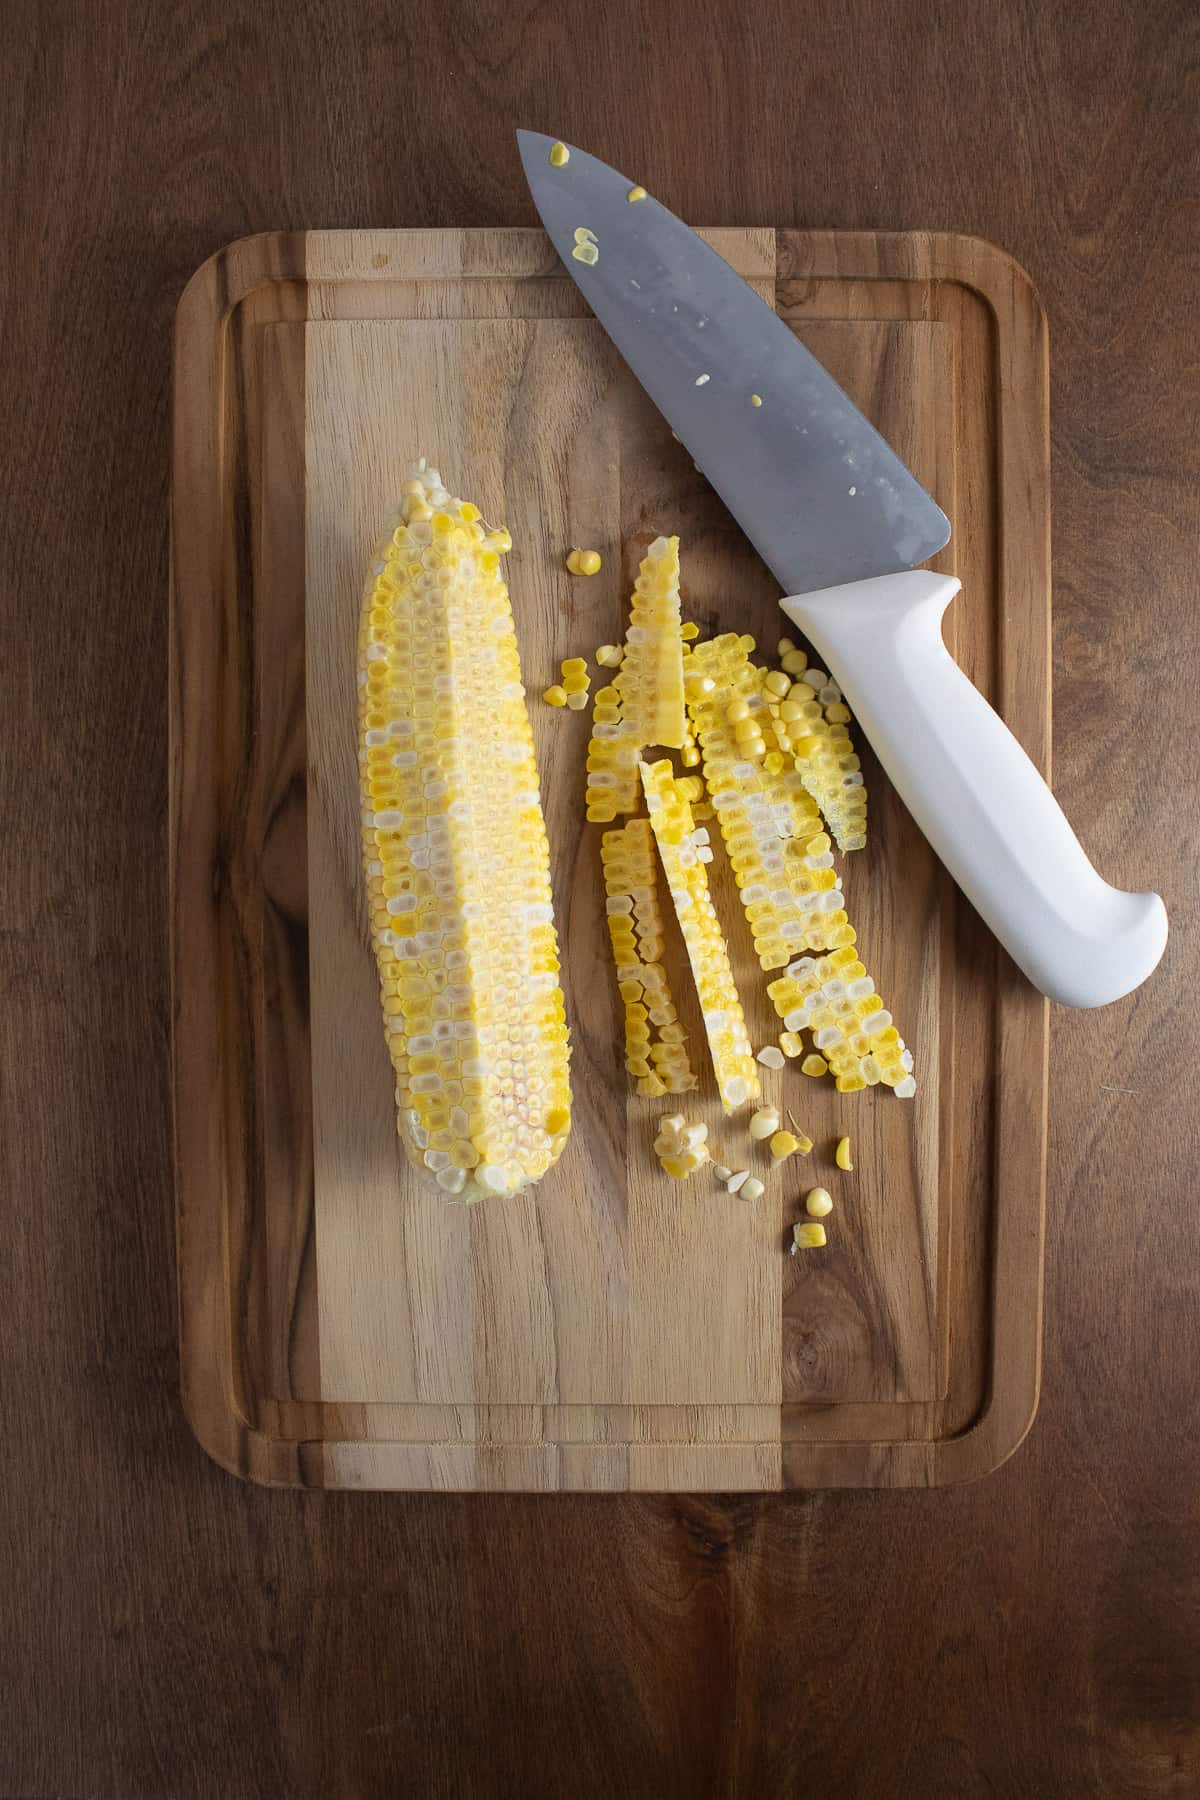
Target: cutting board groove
x,y
342,1326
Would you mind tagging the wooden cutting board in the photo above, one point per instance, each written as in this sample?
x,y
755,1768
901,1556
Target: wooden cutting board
x,y
341,1325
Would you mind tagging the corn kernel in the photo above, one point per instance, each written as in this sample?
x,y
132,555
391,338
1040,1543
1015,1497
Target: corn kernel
x,y
635,193
609,655
841,1155
763,1122
586,253
577,702
790,1043
808,1237
689,631
575,684
756,399
814,1065
770,1056
818,1203
559,155
782,1145
752,1189
555,695
584,562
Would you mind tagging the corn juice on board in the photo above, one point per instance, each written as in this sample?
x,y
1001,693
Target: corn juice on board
x,y
344,1323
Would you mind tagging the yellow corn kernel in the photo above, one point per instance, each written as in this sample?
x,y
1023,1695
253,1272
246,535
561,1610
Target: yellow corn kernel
x,y
635,193
776,683
609,655
576,684
814,1065
559,155
782,1145
818,1203
586,253
790,1043
841,1155
461,918
555,695
584,562
756,399
689,632
809,1236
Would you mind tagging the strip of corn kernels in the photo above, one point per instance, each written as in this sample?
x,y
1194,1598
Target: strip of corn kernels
x,y
834,998
644,704
456,856
780,858
810,725
724,1022
655,1042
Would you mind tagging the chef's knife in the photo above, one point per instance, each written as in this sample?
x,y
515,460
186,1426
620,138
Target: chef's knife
x,y
842,523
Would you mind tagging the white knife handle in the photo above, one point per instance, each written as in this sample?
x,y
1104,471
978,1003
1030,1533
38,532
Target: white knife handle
x,y
974,793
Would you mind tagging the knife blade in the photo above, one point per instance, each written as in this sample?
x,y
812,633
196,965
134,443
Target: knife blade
x,y
842,524
819,493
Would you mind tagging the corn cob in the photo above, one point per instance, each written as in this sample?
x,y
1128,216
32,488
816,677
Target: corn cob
x,y
683,864
655,1052
644,704
456,857
781,860
834,998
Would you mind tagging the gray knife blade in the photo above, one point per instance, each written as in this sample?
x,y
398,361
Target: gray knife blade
x,y
823,498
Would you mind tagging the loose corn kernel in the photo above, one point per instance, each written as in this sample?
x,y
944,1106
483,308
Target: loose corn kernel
x,y
814,1065
721,1009
790,1043
721,1172
609,655
737,1181
584,562
555,695
808,1237
756,399
456,858
818,1203
586,253
841,1155
770,1056
690,631
783,1144
752,1189
577,701
764,1122
636,193
559,155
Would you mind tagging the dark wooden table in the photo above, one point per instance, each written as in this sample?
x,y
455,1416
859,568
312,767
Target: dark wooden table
x,y
165,1631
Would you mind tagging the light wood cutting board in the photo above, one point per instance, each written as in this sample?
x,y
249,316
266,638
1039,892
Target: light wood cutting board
x,y
343,1326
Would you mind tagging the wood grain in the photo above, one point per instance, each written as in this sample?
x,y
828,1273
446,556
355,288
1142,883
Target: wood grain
x,y
169,1632
358,1301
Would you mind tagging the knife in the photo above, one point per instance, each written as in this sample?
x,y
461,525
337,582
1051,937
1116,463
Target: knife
x,y
842,524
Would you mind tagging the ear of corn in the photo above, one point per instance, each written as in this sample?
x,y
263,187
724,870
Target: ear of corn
x,y
683,862
655,1045
644,704
456,857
